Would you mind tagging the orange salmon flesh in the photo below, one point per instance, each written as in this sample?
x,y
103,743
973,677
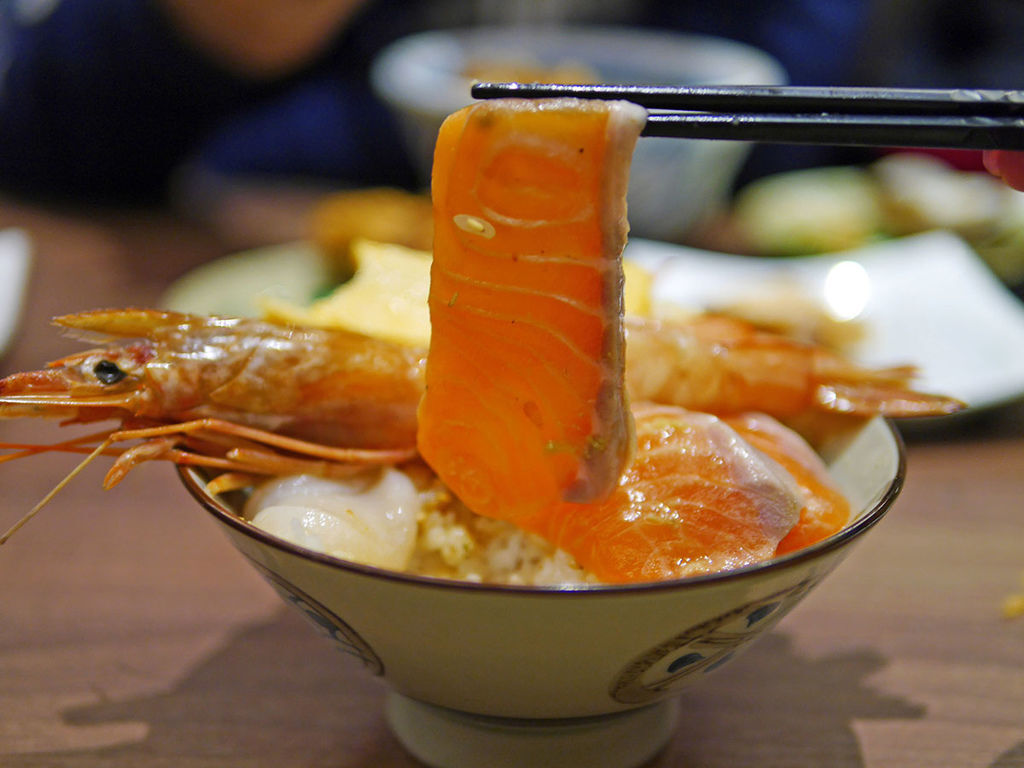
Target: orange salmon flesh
x,y
524,404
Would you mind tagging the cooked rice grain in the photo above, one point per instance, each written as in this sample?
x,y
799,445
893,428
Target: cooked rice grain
x,y
455,543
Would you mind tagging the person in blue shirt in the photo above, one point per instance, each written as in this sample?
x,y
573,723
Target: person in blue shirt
x,y
108,100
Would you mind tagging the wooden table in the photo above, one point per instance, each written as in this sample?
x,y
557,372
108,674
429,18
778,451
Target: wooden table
x,y
132,634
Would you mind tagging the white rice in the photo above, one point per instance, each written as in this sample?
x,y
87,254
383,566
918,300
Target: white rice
x,y
454,543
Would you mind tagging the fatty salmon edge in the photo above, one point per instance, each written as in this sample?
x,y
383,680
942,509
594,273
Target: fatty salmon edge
x,y
622,126
826,510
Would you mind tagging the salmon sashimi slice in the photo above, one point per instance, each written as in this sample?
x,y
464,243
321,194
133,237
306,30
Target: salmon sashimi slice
x,y
825,509
696,499
525,404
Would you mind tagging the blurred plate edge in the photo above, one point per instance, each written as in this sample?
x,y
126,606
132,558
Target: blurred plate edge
x,y
15,261
235,284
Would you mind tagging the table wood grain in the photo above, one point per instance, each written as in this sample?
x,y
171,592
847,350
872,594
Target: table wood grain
x,y
132,634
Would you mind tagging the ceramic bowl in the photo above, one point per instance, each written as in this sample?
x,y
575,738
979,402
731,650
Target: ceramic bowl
x,y
506,671
672,183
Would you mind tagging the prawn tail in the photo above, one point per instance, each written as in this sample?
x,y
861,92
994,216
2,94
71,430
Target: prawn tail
x,y
846,388
891,400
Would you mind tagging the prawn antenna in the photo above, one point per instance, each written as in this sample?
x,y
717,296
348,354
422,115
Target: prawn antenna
x,y
56,489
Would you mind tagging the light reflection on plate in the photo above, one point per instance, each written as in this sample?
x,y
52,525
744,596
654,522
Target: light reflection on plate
x,y
926,300
846,290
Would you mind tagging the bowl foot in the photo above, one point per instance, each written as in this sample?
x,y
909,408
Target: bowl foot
x,y
445,738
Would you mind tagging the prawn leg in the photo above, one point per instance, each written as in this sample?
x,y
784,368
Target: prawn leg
x,y
81,444
158,450
263,462
345,455
229,481
161,442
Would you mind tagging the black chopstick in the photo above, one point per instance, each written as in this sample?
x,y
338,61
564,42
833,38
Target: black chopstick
x,y
958,119
843,130
779,99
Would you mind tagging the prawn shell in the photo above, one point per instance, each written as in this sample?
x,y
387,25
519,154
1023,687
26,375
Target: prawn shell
x,y
131,322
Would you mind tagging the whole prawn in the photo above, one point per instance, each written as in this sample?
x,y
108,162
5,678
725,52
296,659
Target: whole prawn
x,y
724,365
238,395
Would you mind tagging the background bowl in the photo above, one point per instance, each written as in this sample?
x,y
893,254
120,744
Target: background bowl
x,y
673,182
458,655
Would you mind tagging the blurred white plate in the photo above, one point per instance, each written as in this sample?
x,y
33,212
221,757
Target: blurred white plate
x,y
15,258
235,284
926,300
